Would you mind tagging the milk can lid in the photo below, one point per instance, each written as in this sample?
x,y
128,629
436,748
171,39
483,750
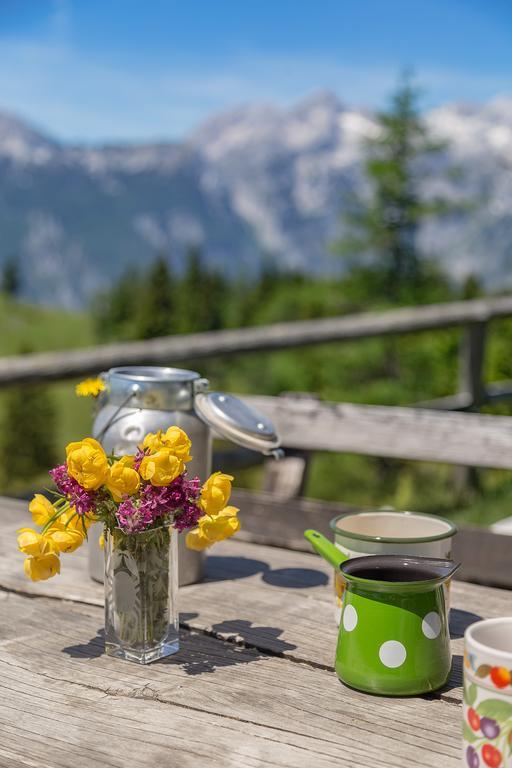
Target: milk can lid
x,y
234,420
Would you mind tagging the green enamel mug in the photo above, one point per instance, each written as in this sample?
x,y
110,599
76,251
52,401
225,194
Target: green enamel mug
x,y
393,637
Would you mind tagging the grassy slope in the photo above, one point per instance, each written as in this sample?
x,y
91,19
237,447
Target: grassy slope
x,y
38,329
32,328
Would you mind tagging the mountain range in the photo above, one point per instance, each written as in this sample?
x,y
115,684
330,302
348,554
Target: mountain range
x,y
257,181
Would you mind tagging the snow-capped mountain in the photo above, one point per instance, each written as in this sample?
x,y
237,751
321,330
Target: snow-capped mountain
x,y
256,180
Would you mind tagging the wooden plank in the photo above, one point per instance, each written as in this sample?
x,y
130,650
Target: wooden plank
x,y
286,478
64,703
276,601
485,556
282,522
52,366
402,433
241,702
494,392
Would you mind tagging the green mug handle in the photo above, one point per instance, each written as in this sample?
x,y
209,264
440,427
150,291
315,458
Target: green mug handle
x,y
325,548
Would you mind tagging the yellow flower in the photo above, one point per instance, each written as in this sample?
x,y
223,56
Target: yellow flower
x,y
90,387
122,479
223,525
41,509
87,463
196,539
216,492
101,540
42,567
33,543
152,442
161,468
213,528
174,438
66,540
178,442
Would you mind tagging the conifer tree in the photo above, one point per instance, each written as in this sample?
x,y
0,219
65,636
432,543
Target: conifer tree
x,y
381,240
11,278
203,293
115,311
155,314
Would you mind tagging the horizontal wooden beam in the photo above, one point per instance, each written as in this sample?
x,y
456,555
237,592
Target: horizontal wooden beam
x,y
485,556
270,521
460,401
496,392
52,366
403,433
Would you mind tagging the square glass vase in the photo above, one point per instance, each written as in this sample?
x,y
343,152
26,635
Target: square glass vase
x,y
141,585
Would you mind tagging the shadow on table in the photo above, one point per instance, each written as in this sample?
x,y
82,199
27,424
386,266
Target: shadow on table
x,y
92,649
460,621
242,642
454,681
221,568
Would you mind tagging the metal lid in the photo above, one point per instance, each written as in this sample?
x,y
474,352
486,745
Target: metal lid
x,y
153,374
234,420
152,387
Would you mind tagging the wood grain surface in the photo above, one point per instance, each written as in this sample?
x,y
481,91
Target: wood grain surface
x,y
419,434
253,684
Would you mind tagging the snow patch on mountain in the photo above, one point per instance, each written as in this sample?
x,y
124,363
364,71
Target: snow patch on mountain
x,y
255,179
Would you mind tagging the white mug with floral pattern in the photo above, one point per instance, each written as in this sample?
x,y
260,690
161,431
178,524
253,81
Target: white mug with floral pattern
x,y
487,710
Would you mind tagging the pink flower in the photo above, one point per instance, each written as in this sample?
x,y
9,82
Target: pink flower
x,y
179,499
188,516
131,518
83,501
138,459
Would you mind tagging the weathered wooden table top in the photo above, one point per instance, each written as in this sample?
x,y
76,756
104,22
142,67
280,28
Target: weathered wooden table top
x,y
253,683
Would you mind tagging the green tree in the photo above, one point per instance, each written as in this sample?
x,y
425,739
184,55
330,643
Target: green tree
x,y
472,287
27,441
381,240
114,312
203,294
11,278
156,304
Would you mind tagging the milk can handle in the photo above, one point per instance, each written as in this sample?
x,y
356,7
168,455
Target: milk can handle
x,y
135,388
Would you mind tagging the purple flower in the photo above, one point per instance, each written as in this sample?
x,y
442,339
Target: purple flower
x,y
132,519
83,501
138,459
179,499
188,516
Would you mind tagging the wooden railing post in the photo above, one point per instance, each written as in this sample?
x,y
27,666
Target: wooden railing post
x,y
471,362
472,387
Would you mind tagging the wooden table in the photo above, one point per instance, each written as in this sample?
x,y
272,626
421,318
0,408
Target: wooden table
x,y
253,684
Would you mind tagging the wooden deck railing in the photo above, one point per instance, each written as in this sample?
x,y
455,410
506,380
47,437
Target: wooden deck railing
x,y
307,424
473,316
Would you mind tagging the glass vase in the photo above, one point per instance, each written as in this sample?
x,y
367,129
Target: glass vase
x,y
141,584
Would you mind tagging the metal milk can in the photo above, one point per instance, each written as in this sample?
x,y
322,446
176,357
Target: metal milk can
x,y
138,400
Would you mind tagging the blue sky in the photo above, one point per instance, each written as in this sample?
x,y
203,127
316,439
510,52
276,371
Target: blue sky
x,y
106,70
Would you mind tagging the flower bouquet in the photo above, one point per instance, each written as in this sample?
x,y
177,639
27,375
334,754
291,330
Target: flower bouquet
x,y
142,501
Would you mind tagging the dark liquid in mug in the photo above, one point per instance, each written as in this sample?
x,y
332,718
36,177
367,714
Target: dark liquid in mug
x,y
404,574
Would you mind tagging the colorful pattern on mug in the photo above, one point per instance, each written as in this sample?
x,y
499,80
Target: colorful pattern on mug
x,y
487,728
